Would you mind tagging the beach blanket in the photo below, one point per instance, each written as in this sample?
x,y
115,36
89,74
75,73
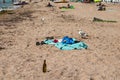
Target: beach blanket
x,y
64,46
79,45
50,41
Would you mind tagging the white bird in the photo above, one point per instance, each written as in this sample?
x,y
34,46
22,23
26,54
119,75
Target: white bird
x,y
82,34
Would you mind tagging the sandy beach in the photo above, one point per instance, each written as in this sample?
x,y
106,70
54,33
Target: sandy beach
x,y
21,59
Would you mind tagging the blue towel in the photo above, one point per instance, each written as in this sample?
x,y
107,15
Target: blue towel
x,y
64,46
80,45
49,42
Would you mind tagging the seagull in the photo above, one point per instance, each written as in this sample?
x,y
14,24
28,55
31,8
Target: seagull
x,y
82,34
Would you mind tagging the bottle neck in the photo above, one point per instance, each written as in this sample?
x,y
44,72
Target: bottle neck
x,y
45,61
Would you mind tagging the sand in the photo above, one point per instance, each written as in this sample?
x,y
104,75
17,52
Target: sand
x,y
21,59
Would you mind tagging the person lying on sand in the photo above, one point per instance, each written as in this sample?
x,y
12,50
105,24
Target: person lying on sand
x,y
68,6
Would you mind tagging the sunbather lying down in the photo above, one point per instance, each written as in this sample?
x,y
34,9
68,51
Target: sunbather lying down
x,y
69,6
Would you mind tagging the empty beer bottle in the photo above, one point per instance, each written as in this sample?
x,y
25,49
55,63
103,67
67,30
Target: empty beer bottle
x,y
44,66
